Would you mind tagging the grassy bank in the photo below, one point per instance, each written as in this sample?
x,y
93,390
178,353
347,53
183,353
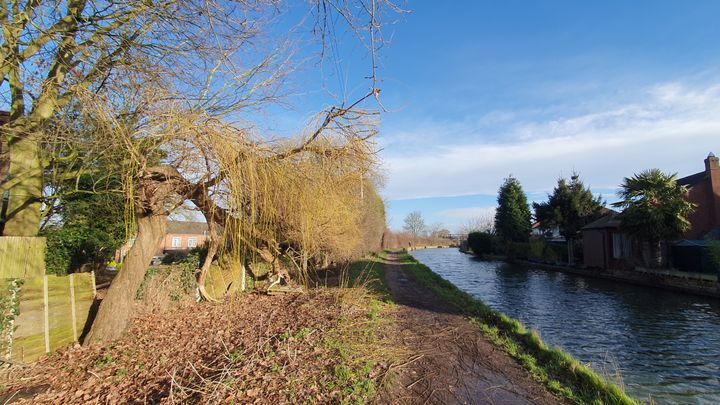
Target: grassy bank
x,y
362,357
558,371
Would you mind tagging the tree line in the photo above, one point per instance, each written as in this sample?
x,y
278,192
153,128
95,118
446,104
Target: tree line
x,y
654,210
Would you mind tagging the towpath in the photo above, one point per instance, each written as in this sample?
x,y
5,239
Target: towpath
x,y
451,361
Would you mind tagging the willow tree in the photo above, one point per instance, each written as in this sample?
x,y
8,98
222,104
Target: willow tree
x,y
52,51
296,197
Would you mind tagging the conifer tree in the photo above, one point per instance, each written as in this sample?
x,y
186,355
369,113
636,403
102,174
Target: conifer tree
x,y
570,207
512,218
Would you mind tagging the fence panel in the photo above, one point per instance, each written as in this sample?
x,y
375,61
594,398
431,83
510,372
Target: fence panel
x,y
49,317
22,257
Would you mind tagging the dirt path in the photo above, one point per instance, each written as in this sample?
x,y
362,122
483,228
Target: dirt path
x,y
453,362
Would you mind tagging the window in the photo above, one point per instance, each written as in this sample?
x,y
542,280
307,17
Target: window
x,y
621,246
176,242
192,242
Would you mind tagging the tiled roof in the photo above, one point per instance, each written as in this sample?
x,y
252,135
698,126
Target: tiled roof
x,y
186,227
693,179
608,221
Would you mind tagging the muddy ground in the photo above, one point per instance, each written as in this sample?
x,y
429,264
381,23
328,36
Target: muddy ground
x,y
452,362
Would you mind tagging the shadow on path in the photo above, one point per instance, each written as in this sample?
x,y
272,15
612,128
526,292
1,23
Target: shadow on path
x,y
451,361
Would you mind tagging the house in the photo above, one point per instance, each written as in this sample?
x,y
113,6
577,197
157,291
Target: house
x,y
606,247
180,236
704,192
548,233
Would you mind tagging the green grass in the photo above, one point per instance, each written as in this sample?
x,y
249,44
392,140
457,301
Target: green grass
x,y
558,371
368,272
356,342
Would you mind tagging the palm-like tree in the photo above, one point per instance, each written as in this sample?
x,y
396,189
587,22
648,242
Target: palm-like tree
x,y
655,209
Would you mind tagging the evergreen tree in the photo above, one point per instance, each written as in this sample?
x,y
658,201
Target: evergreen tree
x,y
512,218
570,207
90,225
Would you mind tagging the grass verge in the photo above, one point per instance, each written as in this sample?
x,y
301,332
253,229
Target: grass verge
x,y
558,371
362,356
368,273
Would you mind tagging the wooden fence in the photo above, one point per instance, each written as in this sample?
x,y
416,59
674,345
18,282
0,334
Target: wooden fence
x,y
22,257
53,313
53,310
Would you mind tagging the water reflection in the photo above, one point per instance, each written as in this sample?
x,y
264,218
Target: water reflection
x,y
663,344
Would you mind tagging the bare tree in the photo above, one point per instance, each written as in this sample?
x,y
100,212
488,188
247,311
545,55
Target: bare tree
x,y
52,51
415,224
480,223
263,194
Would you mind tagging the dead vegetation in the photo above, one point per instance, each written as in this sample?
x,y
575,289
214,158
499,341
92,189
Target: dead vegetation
x,y
325,346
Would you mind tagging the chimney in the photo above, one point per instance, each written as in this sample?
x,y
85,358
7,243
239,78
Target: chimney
x,y
711,162
712,168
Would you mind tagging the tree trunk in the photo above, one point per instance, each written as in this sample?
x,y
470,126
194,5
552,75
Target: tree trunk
x,y
571,251
657,259
4,171
25,186
205,268
117,307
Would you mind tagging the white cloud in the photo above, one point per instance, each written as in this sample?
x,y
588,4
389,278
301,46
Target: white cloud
x,y
671,126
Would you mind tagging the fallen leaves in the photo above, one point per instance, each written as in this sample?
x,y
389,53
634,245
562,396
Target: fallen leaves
x,y
250,349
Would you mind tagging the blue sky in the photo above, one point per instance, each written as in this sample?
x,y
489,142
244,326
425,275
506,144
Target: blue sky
x,y
478,90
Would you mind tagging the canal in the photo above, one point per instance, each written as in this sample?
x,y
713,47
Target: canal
x,y
663,345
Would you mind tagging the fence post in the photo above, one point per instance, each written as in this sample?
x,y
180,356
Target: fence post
x,y
93,283
47,314
72,307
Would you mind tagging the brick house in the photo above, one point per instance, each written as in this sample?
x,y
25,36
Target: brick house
x,y
180,236
704,192
606,247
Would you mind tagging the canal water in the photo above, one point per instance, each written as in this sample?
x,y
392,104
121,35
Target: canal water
x,y
663,345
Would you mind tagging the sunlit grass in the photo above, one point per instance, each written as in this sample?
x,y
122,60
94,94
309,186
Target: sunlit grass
x,y
561,373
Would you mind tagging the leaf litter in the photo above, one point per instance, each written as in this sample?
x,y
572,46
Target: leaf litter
x,y
317,347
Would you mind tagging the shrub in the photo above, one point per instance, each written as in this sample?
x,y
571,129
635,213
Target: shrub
x,y
518,250
537,249
174,257
713,250
481,243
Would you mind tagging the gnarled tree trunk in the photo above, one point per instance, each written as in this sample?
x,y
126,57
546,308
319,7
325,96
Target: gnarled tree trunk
x,y
117,307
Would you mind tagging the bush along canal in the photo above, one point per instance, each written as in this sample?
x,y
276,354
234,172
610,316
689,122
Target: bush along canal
x,y
657,345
